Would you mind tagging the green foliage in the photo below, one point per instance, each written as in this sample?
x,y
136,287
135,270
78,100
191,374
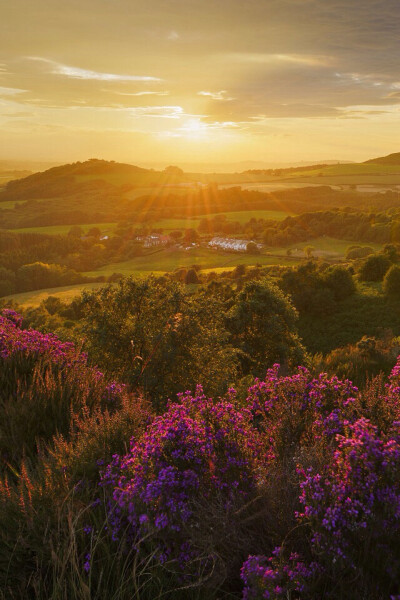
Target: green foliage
x,y
263,325
391,281
374,268
309,289
154,335
361,361
252,248
354,252
340,281
191,276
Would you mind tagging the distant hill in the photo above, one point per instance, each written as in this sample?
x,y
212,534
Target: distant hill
x,y
390,159
92,175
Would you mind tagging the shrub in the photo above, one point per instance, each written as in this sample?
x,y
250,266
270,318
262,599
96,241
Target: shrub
x,y
199,457
340,281
374,268
391,281
41,381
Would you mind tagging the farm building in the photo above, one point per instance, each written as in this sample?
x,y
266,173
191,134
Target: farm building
x,y
230,244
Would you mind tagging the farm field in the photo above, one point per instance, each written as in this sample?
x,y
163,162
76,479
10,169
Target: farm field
x,y
327,245
105,228
169,259
240,216
245,216
271,186
367,179
65,293
10,204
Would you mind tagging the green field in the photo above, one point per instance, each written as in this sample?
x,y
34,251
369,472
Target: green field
x,y
10,204
169,259
246,215
327,245
105,228
66,294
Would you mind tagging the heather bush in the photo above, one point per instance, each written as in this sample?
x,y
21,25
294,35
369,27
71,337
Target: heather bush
x,y
181,487
299,410
43,381
347,524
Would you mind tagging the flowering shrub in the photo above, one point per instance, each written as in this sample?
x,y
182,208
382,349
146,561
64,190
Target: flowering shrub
x,y
42,382
353,505
299,410
197,454
349,498
274,577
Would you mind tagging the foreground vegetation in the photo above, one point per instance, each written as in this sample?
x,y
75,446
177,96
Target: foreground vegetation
x,y
284,489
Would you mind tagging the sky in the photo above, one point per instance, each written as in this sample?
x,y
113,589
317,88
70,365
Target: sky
x,y
170,81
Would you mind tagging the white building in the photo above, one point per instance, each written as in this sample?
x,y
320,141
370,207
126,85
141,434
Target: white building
x,y
231,244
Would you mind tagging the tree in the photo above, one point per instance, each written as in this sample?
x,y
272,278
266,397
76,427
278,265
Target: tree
x,y
308,250
191,236
75,231
340,281
391,281
173,170
263,325
191,276
158,338
374,268
252,248
94,232
175,235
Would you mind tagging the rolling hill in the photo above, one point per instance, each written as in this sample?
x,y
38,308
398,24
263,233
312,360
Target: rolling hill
x,y
390,159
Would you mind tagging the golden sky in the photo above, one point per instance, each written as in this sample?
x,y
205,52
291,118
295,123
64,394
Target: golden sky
x,y
169,81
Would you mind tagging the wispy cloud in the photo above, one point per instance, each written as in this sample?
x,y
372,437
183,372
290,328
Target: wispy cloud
x,y
173,36
6,91
216,95
78,73
144,93
294,59
166,112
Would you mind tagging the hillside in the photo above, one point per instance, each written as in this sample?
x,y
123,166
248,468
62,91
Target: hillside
x,y
79,177
390,159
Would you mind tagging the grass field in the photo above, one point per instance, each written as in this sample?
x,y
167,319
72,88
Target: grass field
x,y
10,204
169,259
105,228
66,294
326,244
246,215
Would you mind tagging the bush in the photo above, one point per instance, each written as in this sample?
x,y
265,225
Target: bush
x,y
340,281
374,268
201,457
391,281
43,381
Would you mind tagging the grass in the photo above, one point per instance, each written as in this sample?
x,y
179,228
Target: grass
x,y
246,215
66,294
168,260
173,224
328,245
10,204
64,229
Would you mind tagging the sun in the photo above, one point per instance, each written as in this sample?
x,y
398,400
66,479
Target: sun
x,y
194,129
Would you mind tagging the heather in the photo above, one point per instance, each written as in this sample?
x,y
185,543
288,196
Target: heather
x,y
288,490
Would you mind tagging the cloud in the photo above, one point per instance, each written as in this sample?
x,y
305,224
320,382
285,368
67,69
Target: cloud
x,y
173,36
144,93
5,91
166,112
78,73
216,95
271,59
